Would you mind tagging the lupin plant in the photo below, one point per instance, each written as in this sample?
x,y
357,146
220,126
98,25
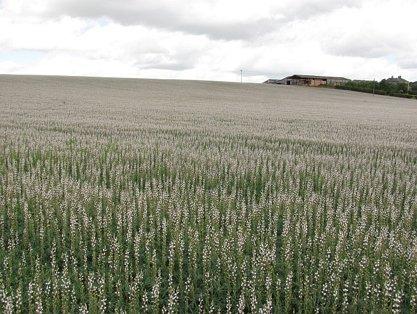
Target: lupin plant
x,y
115,203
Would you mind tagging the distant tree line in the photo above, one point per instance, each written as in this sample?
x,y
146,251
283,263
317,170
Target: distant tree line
x,y
406,90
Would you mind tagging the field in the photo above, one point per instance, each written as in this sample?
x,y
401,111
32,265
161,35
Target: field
x,y
121,195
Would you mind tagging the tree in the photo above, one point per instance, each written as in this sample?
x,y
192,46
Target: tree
x,y
413,88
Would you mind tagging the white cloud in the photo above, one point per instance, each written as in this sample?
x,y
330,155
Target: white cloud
x,y
210,39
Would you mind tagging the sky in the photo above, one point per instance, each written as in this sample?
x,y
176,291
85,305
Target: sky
x,y
209,39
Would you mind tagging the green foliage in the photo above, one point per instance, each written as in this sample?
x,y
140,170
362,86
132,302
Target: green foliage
x,y
413,87
152,229
381,88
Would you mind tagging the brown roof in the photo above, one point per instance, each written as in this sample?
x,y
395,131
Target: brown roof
x,y
301,76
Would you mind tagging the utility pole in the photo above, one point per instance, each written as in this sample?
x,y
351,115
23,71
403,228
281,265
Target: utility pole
x,y
241,76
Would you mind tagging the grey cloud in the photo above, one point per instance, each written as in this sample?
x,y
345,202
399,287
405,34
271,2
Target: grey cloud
x,y
366,45
302,10
161,15
409,64
175,66
164,62
154,15
407,59
181,59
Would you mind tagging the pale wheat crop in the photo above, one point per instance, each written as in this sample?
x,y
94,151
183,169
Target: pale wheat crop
x,y
169,196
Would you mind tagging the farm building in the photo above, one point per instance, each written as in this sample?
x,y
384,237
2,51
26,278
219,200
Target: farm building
x,y
273,81
309,80
396,80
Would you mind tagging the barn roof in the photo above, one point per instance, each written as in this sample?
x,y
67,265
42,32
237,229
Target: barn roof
x,y
302,76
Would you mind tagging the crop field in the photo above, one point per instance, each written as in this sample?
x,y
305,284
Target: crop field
x,y
127,196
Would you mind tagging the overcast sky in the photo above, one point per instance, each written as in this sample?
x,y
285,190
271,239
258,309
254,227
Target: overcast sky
x,y
209,39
